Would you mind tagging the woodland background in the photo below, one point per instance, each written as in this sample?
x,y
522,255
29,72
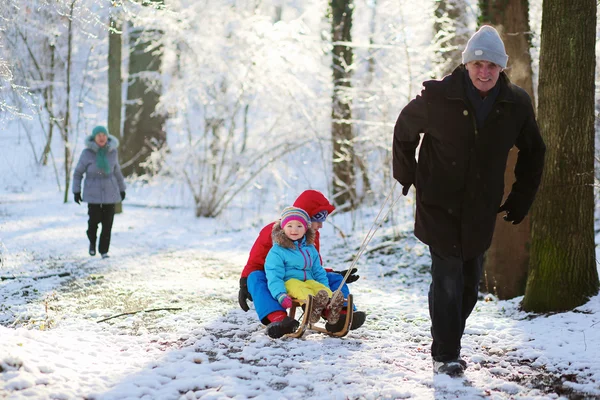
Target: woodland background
x,y
224,106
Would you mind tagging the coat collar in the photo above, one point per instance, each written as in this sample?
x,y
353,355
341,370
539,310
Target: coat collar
x,y
111,144
456,86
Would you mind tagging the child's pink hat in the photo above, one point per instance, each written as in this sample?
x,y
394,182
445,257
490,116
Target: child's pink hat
x,y
295,214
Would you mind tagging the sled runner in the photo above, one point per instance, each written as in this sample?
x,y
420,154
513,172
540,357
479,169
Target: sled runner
x,y
305,320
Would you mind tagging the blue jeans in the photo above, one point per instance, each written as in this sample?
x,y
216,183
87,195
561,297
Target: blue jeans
x,y
265,304
452,296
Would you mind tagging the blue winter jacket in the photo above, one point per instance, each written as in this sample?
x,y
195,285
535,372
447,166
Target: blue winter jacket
x,y
289,259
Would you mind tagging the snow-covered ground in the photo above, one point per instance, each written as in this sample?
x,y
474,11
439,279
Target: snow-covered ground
x,y
53,344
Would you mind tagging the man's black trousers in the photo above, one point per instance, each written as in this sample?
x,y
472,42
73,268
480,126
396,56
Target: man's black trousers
x,y
452,296
100,214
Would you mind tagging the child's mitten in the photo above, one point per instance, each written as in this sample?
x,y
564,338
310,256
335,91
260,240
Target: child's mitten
x,y
285,301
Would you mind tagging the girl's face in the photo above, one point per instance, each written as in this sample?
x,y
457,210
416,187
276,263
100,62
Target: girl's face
x,y
101,139
294,230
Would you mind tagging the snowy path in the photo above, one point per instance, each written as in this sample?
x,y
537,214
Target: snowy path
x,y
53,347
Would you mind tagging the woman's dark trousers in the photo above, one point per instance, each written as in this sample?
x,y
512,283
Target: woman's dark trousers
x,y
100,214
452,296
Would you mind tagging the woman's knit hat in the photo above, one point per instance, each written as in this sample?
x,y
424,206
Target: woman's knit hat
x,y
97,130
486,45
295,214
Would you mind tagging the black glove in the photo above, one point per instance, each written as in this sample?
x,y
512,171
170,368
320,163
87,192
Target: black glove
x,y
515,210
405,189
122,196
244,295
77,197
352,277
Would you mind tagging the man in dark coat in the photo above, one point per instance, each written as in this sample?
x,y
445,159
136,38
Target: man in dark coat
x,y
469,120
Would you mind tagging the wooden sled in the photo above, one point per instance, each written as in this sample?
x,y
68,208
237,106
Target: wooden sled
x,y
306,325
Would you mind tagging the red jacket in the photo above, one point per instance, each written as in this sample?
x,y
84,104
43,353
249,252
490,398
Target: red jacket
x,y
311,201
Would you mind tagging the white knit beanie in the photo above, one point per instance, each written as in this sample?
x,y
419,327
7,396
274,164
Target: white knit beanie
x,y
486,45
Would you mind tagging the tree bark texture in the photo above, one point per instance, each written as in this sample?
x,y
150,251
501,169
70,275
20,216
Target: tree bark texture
x,y
115,84
344,180
143,130
49,100
563,272
114,78
67,121
507,260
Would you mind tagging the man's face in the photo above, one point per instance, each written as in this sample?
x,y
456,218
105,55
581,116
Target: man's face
x,y
484,75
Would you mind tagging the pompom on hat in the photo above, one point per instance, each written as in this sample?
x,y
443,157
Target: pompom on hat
x,y
486,45
295,214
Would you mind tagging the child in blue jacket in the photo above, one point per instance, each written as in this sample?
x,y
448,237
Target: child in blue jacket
x,y
293,267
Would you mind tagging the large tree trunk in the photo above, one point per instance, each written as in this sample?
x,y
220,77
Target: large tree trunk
x,y
115,83
507,260
451,33
143,130
563,272
344,181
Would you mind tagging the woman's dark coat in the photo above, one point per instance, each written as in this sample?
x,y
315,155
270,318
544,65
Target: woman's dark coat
x,y
459,176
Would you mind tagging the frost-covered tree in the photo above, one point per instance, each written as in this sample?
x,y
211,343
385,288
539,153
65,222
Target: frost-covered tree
x,y
243,92
451,28
393,55
246,89
55,41
14,102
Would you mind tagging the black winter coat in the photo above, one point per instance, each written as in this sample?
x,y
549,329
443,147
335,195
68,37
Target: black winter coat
x,y
459,177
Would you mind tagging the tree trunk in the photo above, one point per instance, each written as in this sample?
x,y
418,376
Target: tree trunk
x,y
344,180
115,83
563,272
451,33
507,260
67,121
143,131
114,78
48,94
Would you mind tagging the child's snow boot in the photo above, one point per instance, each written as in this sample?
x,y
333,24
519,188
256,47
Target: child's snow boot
x,y
335,307
279,328
318,305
